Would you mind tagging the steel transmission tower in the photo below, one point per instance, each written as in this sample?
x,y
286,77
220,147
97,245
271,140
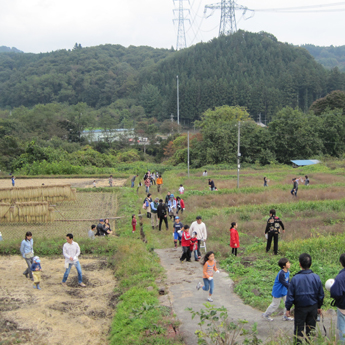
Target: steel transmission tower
x,y
181,34
227,18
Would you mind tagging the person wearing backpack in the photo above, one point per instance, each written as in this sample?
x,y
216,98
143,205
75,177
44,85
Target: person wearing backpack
x,y
154,216
273,230
162,214
338,293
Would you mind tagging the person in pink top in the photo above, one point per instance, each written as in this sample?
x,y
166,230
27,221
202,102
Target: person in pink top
x,y
185,242
134,223
234,239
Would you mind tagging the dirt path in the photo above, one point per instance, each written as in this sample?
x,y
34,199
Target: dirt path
x,y
181,283
56,315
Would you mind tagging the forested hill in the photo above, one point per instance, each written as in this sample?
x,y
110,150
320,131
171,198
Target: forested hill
x,y
247,69
4,49
329,57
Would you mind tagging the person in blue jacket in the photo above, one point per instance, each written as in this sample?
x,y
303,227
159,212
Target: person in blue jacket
x,y
279,291
338,293
306,293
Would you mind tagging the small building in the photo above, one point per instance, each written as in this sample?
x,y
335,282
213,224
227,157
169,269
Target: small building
x,y
302,163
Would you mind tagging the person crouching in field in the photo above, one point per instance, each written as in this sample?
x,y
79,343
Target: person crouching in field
x,y
36,272
234,239
209,266
279,291
185,244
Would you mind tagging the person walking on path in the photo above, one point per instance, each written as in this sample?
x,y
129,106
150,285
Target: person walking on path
x,y
279,291
178,228
147,184
154,216
185,244
27,251
172,207
134,223
194,246
133,180
209,266
179,205
36,270
159,183
273,230
338,293
71,251
162,215
200,228
306,293
167,198
234,239
13,181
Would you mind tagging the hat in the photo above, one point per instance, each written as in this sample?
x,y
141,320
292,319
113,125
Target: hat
x,y
172,196
101,220
36,259
177,217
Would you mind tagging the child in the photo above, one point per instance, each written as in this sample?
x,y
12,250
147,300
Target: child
x,y
181,189
179,205
178,226
306,181
185,244
91,232
279,291
265,182
209,265
94,183
194,245
134,223
13,181
234,239
36,272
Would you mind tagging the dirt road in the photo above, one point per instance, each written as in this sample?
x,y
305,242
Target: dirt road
x,y
56,315
181,283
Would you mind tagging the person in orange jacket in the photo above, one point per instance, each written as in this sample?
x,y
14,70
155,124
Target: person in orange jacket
x,y
234,239
159,182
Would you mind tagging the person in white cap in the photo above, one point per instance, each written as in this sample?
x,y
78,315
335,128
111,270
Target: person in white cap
x,y
71,251
36,272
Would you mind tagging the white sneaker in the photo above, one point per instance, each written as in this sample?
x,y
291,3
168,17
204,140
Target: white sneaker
x,y
287,318
264,316
198,286
210,299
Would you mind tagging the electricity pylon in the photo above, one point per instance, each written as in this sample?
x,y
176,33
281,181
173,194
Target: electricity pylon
x,y
181,34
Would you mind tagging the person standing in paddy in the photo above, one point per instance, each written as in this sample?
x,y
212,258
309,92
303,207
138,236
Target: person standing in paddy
x,y
209,266
234,238
273,230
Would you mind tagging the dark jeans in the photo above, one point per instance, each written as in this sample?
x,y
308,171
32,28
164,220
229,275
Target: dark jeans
x,y
234,251
272,234
199,241
185,254
305,316
294,192
28,270
165,221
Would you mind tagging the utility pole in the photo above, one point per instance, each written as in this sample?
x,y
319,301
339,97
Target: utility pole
x,y
188,154
178,101
227,24
238,154
181,34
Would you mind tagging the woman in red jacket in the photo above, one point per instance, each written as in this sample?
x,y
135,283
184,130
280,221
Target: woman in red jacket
x,y
234,239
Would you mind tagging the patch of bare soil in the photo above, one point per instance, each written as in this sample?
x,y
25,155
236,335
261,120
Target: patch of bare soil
x,y
69,315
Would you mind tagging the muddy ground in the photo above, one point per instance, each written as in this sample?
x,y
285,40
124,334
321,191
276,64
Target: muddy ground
x,y
55,314
74,182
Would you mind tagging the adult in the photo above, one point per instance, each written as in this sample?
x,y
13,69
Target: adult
x,y
91,232
153,179
306,293
167,198
179,205
159,183
294,189
101,229
338,293
154,216
265,182
133,180
211,184
162,214
204,173
107,227
172,207
306,181
110,180
13,180
71,251
201,232
147,184
27,251
273,230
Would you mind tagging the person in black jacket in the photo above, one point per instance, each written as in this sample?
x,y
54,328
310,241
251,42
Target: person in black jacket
x,y
338,293
306,293
102,230
162,214
273,230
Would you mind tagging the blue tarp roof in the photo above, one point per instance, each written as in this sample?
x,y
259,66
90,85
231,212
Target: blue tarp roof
x,y
305,162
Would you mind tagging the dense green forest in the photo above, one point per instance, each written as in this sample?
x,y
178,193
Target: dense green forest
x,y
329,57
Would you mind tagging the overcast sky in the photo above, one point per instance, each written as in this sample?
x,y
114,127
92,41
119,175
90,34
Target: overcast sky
x,y
46,25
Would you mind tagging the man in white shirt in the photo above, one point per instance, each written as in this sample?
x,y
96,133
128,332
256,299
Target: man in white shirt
x,y
71,251
201,233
